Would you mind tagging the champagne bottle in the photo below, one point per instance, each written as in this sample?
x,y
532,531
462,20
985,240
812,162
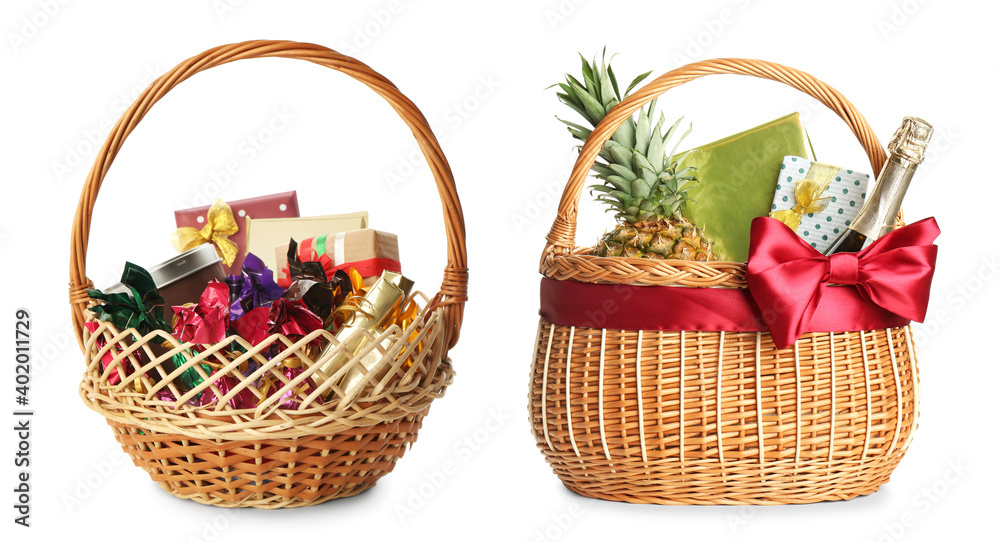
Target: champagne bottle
x,y
877,216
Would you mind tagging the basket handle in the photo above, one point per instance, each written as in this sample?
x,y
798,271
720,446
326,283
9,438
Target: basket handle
x,y
454,286
561,238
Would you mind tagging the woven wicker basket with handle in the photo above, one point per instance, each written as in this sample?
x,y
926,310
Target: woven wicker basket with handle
x,y
267,456
713,417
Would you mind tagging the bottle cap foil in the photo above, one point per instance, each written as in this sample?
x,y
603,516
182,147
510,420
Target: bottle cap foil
x,y
911,139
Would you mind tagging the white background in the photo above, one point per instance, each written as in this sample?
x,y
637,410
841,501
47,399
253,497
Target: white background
x,y
479,71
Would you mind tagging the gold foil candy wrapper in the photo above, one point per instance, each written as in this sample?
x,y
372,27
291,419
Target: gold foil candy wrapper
x,y
380,307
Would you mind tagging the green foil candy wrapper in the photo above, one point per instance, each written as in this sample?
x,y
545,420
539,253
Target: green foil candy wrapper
x,y
189,379
737,177
141,309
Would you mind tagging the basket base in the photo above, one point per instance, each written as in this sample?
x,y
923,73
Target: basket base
x,y
730,499
740,483
267,503
269,474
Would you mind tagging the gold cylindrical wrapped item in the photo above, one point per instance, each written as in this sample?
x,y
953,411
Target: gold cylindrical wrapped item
x,y
370,313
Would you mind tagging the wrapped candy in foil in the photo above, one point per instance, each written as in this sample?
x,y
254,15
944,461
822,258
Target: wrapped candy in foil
x,y
291,397
254,326
379,307
282,316
141,308
253,287
292,320
190,378
208,321
242,400
318,288
108,358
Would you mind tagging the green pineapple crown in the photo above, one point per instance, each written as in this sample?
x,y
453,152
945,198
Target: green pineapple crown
x,y
641,180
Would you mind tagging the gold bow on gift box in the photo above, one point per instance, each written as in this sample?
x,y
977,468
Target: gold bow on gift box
x,y
808,195
219,225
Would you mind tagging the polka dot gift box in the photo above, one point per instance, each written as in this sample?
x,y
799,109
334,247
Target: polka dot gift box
x,y
817,200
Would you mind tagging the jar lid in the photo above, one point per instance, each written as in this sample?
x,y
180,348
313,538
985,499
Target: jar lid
x,y
178,267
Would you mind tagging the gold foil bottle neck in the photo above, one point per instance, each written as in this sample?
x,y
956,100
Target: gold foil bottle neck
x,y
911,139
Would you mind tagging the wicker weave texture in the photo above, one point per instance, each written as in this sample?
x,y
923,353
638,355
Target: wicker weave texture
x,y
722,418
278,473
708,417
416,372
333,442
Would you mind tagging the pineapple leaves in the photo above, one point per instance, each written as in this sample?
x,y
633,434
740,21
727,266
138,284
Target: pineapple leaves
x,y
623,171
614,83
619,153
641,180
602,170
625,134
595,111
616,194
636,81
579,132
575,105
654,153
641,133
588,71
640,189
618,182
685,134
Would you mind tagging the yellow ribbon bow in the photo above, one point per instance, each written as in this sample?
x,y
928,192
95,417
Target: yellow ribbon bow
x,y
219,225
808,195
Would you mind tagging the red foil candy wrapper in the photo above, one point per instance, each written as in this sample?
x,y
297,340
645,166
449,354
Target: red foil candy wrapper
x,y
108,357
206,322
282,316
293,320
254,326
242,400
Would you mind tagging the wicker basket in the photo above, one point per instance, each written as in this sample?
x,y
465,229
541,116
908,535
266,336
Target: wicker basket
x,y
269,457
714,417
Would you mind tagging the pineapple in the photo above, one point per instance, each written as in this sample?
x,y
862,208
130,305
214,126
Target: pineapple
x,y
642,185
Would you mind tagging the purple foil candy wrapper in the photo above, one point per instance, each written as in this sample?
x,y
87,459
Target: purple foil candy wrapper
x,y
242,400
254,287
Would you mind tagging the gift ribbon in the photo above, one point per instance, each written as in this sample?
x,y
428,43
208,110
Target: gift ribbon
x,y
219,225
808,195
893,273
316,250
676,308
371,267
892,270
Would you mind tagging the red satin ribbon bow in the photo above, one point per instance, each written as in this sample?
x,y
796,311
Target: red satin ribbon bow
x,y
787,276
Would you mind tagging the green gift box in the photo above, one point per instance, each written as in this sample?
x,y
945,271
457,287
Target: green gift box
x,y
737,177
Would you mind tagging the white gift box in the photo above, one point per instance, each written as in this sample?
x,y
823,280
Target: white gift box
x,y
842,197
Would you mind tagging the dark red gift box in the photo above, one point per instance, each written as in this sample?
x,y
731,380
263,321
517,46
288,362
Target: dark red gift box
x,y
283,205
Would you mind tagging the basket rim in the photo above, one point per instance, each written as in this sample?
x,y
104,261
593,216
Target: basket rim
x,y
377,401
582,265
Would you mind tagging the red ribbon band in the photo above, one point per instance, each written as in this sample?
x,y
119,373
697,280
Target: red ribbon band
x,y
791,289
675,308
